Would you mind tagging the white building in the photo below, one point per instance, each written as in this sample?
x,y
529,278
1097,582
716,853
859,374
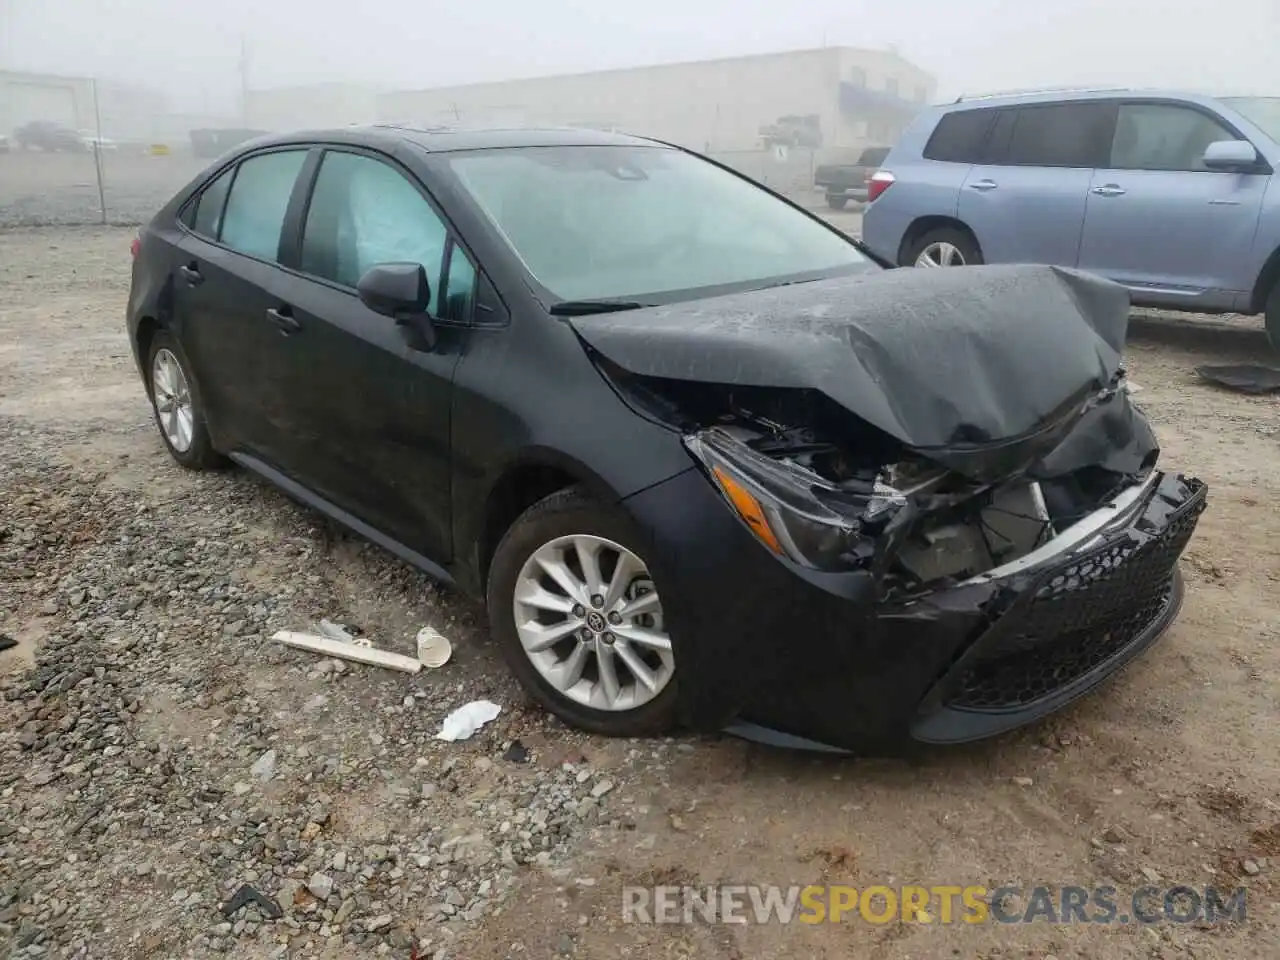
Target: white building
x,y
831,99
41,96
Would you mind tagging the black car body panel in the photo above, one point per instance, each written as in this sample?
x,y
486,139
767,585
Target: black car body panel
x,y
997,374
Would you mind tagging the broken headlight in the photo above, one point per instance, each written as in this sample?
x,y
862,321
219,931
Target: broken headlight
x,y
791,510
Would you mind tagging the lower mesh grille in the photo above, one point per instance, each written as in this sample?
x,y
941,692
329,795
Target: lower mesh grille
x,y
1076,618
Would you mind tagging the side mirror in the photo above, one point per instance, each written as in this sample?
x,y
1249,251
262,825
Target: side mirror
x,y
1230,155
395,289
401,291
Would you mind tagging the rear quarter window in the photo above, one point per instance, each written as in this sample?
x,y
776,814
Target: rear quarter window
x,y
960,135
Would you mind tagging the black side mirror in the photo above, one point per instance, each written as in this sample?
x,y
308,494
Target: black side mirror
x,y
401,291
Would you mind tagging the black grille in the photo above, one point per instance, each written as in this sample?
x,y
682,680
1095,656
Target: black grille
x,y
1076,618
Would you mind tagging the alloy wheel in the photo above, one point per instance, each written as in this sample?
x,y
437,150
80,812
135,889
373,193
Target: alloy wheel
x,y
590,621
940,254
171,395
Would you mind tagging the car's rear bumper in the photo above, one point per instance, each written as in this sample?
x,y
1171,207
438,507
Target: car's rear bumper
x,y
776,650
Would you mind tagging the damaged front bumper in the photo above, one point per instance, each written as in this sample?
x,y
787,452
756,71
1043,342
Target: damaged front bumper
x,y
808,658
1063,622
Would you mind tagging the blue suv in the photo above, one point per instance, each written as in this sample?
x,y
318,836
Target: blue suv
x,y
1174,195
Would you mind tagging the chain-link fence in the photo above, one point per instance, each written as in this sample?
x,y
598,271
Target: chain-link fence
x,y
114,183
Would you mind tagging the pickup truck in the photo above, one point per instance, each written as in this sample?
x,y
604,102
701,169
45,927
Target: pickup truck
x,y
843,182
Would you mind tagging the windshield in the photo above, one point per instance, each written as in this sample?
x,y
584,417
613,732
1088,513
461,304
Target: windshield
x,y
629,222
1262,112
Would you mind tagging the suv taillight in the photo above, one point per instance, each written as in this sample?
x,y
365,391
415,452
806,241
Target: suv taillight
x,y
136,246
880,181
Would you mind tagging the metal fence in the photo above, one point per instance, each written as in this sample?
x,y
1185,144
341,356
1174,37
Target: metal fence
x,y
117,185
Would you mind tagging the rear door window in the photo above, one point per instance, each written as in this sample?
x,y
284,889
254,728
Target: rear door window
x,y
1060,135
960,135
260,193
1163,136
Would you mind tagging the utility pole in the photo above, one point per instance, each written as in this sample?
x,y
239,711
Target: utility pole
x,y
244,82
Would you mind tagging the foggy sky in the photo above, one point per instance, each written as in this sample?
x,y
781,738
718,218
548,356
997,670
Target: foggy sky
x,y
191,48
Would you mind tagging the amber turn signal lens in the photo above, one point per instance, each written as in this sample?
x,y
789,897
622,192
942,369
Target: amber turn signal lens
x,y
749,509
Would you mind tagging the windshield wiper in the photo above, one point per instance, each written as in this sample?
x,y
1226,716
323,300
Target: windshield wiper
x,y
581,308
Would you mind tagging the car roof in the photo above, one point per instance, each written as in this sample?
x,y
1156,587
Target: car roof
x,y
451,138
1075,94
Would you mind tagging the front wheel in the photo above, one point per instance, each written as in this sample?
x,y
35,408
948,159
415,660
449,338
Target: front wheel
x,y
578,615
943,247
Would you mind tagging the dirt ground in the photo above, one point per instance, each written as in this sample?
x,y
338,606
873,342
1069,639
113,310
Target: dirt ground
x,y
1169,775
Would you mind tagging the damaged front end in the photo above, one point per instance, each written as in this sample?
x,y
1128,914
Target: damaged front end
x,y
842,496
922,426
950,475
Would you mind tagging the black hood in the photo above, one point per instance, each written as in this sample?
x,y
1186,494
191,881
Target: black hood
x,y
955,363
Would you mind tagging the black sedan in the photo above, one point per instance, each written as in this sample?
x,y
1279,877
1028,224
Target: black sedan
x,y
707,461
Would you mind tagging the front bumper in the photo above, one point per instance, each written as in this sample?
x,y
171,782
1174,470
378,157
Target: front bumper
x,y
790,655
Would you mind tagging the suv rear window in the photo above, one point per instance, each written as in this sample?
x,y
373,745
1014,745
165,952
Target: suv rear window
x,y
960,135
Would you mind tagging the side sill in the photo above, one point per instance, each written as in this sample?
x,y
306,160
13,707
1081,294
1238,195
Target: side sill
x,y
300,493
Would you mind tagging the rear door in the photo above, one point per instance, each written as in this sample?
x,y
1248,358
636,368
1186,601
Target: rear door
x,y
371,413
228,282
1158,220
1025,202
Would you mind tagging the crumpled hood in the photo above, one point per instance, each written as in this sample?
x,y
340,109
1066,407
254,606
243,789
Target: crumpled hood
x,y
945,360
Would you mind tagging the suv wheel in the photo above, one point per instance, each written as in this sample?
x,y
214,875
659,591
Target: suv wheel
x,y
578,616
943,247
1273,317
176,402
837,202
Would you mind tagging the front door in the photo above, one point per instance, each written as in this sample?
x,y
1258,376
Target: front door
x,y
1159,221
371,410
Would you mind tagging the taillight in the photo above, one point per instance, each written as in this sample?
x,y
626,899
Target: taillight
x,y
135,247
880,181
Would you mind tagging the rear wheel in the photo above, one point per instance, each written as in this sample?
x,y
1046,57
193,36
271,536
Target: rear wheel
x,y
577,613
178,405
1273,317
943,247
836,202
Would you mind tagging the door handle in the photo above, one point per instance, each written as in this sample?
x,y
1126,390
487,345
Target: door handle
x,y
983,185
283,318
1109,190
191,273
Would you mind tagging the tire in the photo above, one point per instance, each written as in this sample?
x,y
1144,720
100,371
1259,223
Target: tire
x,y
837,203
1273,318
515,574
191,446
945,238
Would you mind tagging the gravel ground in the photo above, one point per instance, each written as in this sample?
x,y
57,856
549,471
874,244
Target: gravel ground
x,y
158,752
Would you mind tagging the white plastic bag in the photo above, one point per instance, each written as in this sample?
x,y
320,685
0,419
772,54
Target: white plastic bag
x,y
466,720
